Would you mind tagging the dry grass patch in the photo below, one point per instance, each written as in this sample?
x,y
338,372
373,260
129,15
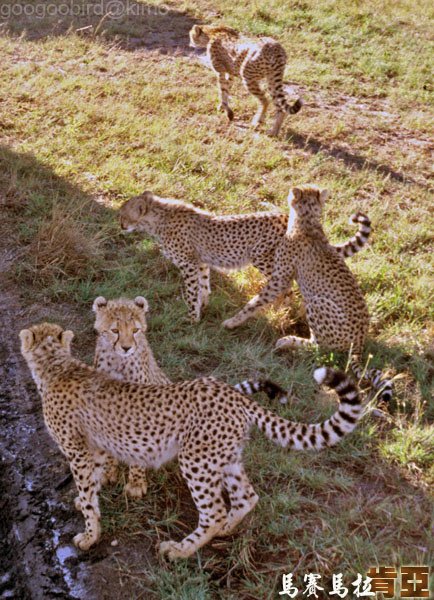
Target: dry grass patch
x,y
64,246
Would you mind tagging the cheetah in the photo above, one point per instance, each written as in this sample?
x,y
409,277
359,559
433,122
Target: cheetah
x,y
336,310
232,54
205,423
195,240
123,352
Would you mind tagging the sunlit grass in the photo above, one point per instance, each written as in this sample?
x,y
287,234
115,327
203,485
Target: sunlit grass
x,y
86,123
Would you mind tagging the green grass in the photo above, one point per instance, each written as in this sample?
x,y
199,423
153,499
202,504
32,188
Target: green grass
x,y
88,119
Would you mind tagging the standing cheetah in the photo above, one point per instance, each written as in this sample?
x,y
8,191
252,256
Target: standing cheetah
x,y
253,60
335,307
195,240
122,352
204,422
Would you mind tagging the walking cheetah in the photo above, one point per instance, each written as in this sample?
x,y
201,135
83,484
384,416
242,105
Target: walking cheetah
x,y
335,307
122,352
195,240
254,60
204,422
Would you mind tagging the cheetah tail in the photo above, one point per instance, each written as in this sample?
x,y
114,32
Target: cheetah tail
x,y
357,242
301,436
382,386
292,109
273,390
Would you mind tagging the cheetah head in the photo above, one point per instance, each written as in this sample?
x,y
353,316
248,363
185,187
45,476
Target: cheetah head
x,y
133,214
121,324
44,337
198,37
307,200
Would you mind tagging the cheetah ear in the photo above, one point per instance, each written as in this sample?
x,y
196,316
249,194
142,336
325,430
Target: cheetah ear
x,y
66,338
143,204
27,339
297,193
324,194
294,195
99,303
197,30
141,303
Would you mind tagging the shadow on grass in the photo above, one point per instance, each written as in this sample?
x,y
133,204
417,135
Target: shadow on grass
x,y
381,512
128,24
350,159
67,259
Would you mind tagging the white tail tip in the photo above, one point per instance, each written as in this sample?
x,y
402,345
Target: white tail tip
x,y
320,374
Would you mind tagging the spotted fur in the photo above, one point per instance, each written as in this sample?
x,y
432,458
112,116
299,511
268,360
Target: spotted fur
x,y
205,423
254,60
196,240
335,307
123,352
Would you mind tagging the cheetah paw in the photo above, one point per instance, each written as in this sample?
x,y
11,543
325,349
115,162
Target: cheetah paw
x,y
110,476
85,540
230,323
272,132
285,342
136,491
256,122
174,550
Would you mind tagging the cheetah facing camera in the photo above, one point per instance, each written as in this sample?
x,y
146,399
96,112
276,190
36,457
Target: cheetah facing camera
x,y
336,310
122,352
253,60
204,422
196,240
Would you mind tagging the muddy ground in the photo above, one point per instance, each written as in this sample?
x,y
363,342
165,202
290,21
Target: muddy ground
x,y
37,558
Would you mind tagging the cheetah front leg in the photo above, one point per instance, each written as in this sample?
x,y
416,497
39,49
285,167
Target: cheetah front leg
x,y
106,471
224,82
87,476
193,293
204,284
206,489
268,294
293,341
137,485
111,470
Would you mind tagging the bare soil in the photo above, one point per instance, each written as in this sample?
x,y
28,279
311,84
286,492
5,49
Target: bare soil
x,y
38,522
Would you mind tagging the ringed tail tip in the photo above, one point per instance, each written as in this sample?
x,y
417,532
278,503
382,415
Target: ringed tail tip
x,y
320,374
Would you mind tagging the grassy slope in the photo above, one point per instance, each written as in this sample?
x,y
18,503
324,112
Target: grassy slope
x,y
85,120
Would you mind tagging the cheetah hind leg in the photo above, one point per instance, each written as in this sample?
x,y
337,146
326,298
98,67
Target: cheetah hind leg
x,y
211,508
254,88
137,485
242,496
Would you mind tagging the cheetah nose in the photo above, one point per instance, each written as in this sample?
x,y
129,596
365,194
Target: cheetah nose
x,y
126,348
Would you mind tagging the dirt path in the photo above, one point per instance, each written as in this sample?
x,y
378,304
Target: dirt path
x,y
34,562
37,524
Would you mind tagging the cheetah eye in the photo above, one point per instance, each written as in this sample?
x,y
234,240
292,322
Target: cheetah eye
x,y
136,330
115,330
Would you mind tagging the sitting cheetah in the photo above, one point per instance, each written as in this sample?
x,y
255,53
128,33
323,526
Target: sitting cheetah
x,y
254,60
123,352
204,422
335,307
195,240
